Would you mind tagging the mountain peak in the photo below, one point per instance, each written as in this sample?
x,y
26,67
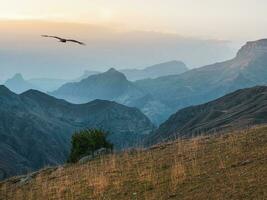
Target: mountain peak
x,y
173,66
18,76
112,72
253,49
18,84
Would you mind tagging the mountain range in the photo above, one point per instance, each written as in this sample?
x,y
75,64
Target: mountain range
x,y
18,84
163,69
238,110
158,98
46,84
247,69
85,75
112,85
35,129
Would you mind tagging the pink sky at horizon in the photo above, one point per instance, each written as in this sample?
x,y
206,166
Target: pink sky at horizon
x,y
213,19
123,33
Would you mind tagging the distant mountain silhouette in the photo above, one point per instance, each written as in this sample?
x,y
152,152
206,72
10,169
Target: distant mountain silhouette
x,y
112,85
108,85
47,84
85,75
238,110
247,69
160,97
18,84
35,129
155,71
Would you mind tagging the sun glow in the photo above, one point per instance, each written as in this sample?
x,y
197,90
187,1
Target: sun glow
x,y
106,14
185,17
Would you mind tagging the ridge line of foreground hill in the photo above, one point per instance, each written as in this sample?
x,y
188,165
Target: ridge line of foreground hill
x,y
229,166
234,111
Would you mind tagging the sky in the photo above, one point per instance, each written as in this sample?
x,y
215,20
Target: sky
x,y
218,19
123,33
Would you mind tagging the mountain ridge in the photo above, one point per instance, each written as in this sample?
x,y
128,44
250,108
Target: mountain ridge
x,y
237,110
112,85
18,84
157,70
207,83
35,128
174,92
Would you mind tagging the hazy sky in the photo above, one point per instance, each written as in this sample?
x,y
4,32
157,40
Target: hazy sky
x,y
123,33
219,19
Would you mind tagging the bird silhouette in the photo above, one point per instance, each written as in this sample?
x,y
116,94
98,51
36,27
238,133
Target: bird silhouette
x,y
63,39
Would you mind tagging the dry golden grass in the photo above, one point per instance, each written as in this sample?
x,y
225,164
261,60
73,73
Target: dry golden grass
x,y
232,166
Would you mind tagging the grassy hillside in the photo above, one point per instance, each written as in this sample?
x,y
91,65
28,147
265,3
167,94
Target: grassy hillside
x,y
232,166
242,108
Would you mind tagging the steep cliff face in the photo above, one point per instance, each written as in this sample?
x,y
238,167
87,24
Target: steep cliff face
x,y
253,50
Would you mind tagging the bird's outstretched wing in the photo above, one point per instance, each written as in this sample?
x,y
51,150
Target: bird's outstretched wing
x,y
51,36
76,41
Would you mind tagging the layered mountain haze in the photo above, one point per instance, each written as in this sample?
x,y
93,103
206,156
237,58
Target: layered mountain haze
x,y
47,84
18,84
160,97
35,129
85,75
154,71
112,85
238,110
23,50
247,69
108,85
163,69
124,99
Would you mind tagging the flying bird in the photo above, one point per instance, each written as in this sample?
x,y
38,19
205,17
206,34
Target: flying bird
x,y
63,39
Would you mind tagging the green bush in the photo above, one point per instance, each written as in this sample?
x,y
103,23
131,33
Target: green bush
x,y
85,142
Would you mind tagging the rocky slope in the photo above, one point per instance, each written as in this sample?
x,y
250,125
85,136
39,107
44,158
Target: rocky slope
x,y
35,129
243,108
